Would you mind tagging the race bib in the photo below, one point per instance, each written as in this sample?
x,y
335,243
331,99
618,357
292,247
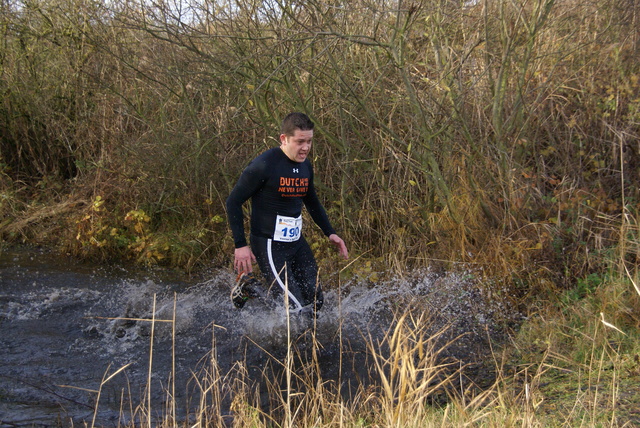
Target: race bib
x,y
288,229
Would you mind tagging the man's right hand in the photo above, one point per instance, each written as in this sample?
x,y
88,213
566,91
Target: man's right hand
x,y
243,259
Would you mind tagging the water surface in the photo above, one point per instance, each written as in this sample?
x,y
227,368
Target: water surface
x,y
68,325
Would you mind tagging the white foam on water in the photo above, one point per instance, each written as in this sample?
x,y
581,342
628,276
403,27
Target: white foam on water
x,y
32,305
104,322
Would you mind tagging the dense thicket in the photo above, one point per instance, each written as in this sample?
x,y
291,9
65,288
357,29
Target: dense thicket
x,y
500,133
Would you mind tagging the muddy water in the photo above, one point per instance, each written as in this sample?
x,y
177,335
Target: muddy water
x,y
66,326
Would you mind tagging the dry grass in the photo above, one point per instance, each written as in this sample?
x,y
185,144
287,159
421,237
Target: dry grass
x,y
26,221
569,368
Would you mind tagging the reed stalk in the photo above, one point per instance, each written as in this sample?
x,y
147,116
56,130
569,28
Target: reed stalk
x,y
150,369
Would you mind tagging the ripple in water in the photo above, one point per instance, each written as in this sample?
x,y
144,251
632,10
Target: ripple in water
x,y
66,325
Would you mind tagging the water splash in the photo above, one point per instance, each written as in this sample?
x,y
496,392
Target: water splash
x,y
67,324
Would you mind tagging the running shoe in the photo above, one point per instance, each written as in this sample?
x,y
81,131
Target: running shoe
x,y
244,289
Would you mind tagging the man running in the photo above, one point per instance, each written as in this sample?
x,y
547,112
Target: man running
x,y
278,182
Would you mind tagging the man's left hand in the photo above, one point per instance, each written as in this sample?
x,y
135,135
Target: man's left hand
x,y
340,245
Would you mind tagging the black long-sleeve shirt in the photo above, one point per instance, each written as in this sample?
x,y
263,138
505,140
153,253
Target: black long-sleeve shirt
x,y
277,186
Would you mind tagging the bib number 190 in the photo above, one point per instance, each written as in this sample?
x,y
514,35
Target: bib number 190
x,y
291,232
287,229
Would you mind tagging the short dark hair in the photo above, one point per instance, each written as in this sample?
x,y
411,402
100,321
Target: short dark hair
x,y
295,121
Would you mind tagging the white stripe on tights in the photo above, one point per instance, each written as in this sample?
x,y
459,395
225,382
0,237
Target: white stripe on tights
x,y
277,276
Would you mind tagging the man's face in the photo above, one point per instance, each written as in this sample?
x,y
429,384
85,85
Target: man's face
x,y
298,145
